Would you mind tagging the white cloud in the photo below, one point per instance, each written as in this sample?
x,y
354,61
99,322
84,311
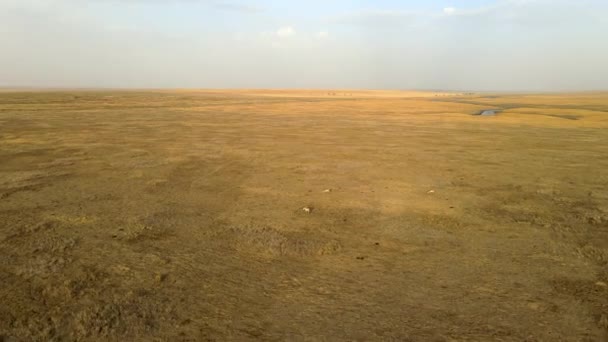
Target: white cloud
x,y
449,10
286,31
322,34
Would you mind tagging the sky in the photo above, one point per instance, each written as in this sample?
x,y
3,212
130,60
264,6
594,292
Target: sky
x,y
474,45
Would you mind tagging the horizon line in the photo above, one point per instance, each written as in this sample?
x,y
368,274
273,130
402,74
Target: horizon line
x,y
421,90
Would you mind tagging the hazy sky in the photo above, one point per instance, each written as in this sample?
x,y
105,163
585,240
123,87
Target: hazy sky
x,y
390,44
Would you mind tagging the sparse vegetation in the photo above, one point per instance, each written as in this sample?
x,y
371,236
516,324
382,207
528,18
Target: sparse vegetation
x,y
178,216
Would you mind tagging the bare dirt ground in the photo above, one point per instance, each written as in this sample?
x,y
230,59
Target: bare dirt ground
x,y
178,216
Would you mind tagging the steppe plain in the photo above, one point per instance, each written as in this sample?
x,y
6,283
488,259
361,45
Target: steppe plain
x,y
335,215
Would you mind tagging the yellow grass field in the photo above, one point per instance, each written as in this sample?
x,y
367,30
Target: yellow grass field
x,y
180,216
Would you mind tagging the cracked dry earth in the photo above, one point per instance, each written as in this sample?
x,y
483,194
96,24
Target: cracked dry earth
x,y
178,216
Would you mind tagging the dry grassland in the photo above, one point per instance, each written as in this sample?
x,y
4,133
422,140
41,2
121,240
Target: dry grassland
x,y
178,216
